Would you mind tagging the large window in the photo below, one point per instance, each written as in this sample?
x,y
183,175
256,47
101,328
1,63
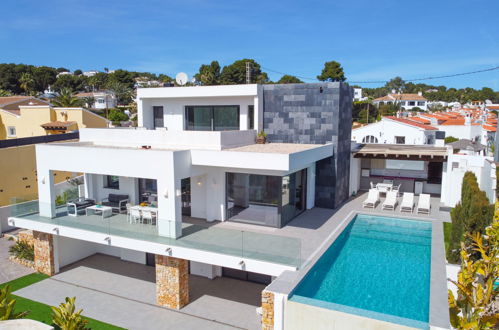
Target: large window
x,y
112,182
158,116
212,118
265,200
251,116
370,139
11,131
400,139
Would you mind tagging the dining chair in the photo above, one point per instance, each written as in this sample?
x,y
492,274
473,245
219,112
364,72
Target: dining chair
x,y
135,215
128,205
372,185
147,217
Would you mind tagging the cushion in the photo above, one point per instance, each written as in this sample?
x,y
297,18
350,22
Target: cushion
x,y
116,198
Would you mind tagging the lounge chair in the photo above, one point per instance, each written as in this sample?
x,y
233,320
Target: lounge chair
x,y
76,205
116,202
407,204
424,204
390,201
372,198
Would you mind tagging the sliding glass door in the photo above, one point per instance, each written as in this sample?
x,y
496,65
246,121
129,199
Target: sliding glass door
x,y
212,118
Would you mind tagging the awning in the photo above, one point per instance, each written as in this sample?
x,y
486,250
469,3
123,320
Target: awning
x,y
58,125
401,151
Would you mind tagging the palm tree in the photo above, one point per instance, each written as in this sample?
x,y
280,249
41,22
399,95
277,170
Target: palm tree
x,y
123,93
27,82
89,101
67,99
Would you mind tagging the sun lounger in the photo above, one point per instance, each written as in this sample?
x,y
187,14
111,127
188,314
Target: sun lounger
x,y
372,198
423,204
390,201
407,204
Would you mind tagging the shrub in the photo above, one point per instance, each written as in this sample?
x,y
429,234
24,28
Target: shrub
x,y
116,115
450,139
22,250
67,318
8,304
471,215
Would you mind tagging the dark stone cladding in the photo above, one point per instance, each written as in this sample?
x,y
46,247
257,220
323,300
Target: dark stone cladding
x,y
315,113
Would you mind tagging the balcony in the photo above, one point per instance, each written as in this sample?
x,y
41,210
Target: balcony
x,y
274,249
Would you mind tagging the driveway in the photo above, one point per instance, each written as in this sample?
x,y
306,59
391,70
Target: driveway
x,y
123,293
8,269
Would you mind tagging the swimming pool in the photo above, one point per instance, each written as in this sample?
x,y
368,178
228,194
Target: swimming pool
x,y
378,267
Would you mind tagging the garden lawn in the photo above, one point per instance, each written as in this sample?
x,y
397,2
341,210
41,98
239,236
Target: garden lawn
x,y
41,312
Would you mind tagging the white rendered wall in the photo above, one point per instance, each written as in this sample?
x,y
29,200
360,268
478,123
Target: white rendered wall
x,y
468,132
71,250
386,130
174,109
355,169
205,270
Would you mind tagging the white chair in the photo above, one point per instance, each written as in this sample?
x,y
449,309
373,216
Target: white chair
x,y
397,189
147,217
424,204
128,205
390,201
372,185
372,198
407,204
135,215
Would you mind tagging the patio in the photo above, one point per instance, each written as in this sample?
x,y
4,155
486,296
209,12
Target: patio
x,y
123,293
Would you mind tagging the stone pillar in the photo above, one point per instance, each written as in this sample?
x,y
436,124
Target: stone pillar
x,y
267,310
172,282
44,253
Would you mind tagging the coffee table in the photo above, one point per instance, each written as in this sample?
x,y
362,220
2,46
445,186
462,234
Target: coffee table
x,y
105,211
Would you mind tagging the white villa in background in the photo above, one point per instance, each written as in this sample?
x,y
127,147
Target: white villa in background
x,y
357,95
406,101
103,99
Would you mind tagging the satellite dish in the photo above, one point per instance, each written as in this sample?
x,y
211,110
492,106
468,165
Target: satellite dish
x,y
181,78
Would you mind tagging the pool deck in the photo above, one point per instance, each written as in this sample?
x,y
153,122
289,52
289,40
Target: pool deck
x,y
318,228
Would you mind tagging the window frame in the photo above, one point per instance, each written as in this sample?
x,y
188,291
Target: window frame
x,y
212,116
9,134
251,116
399,137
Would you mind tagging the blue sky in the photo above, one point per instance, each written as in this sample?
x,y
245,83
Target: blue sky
x,y
373,40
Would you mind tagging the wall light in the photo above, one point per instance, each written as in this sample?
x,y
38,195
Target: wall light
x,y
165,193
200,182
43,180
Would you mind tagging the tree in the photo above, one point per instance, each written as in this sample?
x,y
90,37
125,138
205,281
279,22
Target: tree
x,y
474,306
123,77
288,79
8,305
68,81
116,116
44,76
77,72
332,72
61,69
4,93
89,101
98,81
122,91
471,215
67,318
27,83
397,84
235,73
209,74
66,99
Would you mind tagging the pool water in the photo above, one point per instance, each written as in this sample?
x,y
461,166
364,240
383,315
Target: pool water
x,y
378,267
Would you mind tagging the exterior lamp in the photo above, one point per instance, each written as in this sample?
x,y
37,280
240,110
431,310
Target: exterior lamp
x,y
199,182
165,193
43,180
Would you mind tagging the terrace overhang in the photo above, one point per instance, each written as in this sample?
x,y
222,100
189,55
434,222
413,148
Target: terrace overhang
x,y
402,152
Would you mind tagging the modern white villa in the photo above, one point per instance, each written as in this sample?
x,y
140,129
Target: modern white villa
x,y
193,191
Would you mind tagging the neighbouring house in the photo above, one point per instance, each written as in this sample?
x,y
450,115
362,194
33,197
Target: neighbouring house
x,y
357,95
90,73
468,147
395,130
102,99
406,101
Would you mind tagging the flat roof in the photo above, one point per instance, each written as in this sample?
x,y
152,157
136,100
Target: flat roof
x,y
275,148
390,150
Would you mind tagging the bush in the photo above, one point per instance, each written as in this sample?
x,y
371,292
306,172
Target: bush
x,y
117,116
8,304
23,250
67,318
450,139
471,215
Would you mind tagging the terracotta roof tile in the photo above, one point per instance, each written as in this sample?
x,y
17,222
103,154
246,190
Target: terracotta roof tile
x,y
489,128
412,123
401,97
58,124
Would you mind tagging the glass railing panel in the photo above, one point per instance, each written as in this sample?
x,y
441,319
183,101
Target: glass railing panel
x,y
273,248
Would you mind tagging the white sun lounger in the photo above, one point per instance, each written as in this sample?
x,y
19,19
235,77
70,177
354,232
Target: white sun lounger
x,y
390,201
372,198
407,204
424,204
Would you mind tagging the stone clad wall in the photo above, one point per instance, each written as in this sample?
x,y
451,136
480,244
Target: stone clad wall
x,y
44,253
172,282
267,310
27,236
314,113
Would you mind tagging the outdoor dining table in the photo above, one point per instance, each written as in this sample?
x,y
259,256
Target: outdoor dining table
x,y
384,187
146,208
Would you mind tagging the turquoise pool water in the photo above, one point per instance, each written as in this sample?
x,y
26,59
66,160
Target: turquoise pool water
x,y
379,267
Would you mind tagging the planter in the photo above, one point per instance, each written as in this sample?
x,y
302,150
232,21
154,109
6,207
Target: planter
x,y
261,140
24,262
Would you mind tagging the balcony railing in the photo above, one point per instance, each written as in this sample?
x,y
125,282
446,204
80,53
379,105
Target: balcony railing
x,y
246,244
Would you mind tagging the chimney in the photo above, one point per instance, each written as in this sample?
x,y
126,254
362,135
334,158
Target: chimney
x,y
420,93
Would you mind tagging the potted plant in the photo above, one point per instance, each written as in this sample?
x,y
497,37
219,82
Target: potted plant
x,y
261,137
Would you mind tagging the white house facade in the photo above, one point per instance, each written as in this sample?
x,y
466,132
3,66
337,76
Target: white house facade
x,y
406,101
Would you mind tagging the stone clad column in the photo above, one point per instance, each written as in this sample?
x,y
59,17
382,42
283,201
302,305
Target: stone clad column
x,y
44,253
172,282
267,310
